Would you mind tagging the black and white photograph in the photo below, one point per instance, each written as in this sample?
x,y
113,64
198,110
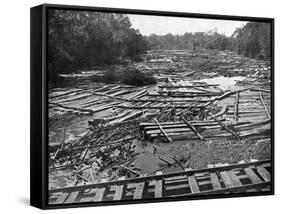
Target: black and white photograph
x,y
154,107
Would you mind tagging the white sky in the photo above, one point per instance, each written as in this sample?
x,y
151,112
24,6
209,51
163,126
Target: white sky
x,y
162,25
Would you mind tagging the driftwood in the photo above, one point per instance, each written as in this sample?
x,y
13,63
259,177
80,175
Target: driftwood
x,y
179,163
165,161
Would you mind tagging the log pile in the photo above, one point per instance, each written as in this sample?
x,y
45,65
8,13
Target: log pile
x,y
104,152
120,116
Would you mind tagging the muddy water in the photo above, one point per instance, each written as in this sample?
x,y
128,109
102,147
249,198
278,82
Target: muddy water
x,y
225,83
199,154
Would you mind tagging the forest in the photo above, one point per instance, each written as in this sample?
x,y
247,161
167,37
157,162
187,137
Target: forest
x,y
80,40
252,40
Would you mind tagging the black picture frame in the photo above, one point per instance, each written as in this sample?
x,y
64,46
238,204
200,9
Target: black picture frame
x,y
39,104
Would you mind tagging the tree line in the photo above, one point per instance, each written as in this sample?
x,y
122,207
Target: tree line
x,y
252,40
192,41
80,40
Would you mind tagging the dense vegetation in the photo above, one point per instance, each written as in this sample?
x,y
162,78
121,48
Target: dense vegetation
x,y
252,40
79,40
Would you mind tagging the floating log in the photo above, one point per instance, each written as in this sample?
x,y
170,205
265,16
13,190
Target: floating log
x,y
144,91
162,131
187,86
236,106
102,107
72,108
109,96
265,108
205,129
260,89
63,140
74,98
192,127
229,93
75,91
170,100
194,122
164,106
225,127
124,91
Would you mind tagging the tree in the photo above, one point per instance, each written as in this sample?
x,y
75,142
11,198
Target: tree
x,y
253,40
80,39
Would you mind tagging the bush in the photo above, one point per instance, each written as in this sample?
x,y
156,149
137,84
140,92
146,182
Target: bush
x,y
131,76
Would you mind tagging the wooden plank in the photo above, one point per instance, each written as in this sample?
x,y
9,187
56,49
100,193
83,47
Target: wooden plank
x,y
171,180
138,189
264,173
158,188
226,179
99,194
192,127
252,176
215,181
235,180
156,177
265,107
232,189
159,173
175,187
71,198
118,192
162,131
93,195
193,184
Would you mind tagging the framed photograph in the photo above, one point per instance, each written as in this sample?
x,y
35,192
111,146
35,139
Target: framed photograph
x,y
133,106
